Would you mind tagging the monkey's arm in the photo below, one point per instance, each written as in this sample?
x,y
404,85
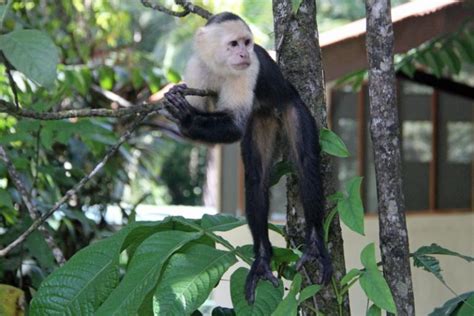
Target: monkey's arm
x,y
212,127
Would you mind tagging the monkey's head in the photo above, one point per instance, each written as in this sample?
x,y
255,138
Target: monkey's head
x,y
225,43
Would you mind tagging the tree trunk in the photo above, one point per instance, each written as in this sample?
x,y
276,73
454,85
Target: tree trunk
x,y
385,133
299,57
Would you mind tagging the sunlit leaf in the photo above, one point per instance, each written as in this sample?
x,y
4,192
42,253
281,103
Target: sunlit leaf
x,y
189,278
33,53
143,272
221,222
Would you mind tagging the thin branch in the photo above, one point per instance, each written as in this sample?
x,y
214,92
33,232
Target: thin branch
x,y
159,7
112,150
11,109
187,9
31,207
194,9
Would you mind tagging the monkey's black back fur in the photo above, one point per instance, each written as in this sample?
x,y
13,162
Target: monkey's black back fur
x,y
272,88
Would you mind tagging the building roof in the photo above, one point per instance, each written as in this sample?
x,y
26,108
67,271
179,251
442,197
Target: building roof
x,y
414,23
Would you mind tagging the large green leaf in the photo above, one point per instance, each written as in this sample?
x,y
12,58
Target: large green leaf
x,y
189,278
143,272
373,283
221,222
33,53
84,282
267,297
332,144
451,305
350,208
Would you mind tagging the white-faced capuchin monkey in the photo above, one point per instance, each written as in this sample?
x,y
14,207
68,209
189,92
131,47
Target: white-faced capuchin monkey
x,y
255,105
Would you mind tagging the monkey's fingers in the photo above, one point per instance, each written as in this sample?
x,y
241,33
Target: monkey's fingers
x,y
250,286
173,111
271,278
325,266
178,89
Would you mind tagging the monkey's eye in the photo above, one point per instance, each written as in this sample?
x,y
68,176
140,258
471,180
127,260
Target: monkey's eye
x,y
247,42
233,43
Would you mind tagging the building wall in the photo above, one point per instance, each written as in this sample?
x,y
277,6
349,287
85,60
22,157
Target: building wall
x,y
453,231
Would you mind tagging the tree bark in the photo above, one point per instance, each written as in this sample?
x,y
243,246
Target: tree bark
x,y
299,57
385,134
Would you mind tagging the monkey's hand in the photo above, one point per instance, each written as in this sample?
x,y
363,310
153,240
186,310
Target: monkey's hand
x,y
177,105
315,252
260,270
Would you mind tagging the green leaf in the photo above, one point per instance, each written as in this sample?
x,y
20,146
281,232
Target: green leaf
x,y
308,292
280,169
279,229
283,255
350,209
450,58
143,272
5,199
367,257
377,290
33,53
434,62
327,223
465,49
221,222
422,259
372,281
466,307
267,296
353,273
374,310
189,278
289,305
332,144
430,264
435,249
38,248
84,282
451,305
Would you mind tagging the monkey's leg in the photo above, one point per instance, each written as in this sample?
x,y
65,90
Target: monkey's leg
x,y
305,150
257,149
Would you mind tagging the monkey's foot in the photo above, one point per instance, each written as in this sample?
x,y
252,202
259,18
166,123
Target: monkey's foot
x,y
316,253
260,270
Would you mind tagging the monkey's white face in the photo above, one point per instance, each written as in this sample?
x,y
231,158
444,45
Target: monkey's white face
x,y
226,45
238,52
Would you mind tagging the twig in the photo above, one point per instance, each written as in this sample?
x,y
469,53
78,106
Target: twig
x,y
37,154
31,207
112,150
187,8
10,108
194,9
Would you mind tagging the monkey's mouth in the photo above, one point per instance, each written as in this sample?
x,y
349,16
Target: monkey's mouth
x,y
242,66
